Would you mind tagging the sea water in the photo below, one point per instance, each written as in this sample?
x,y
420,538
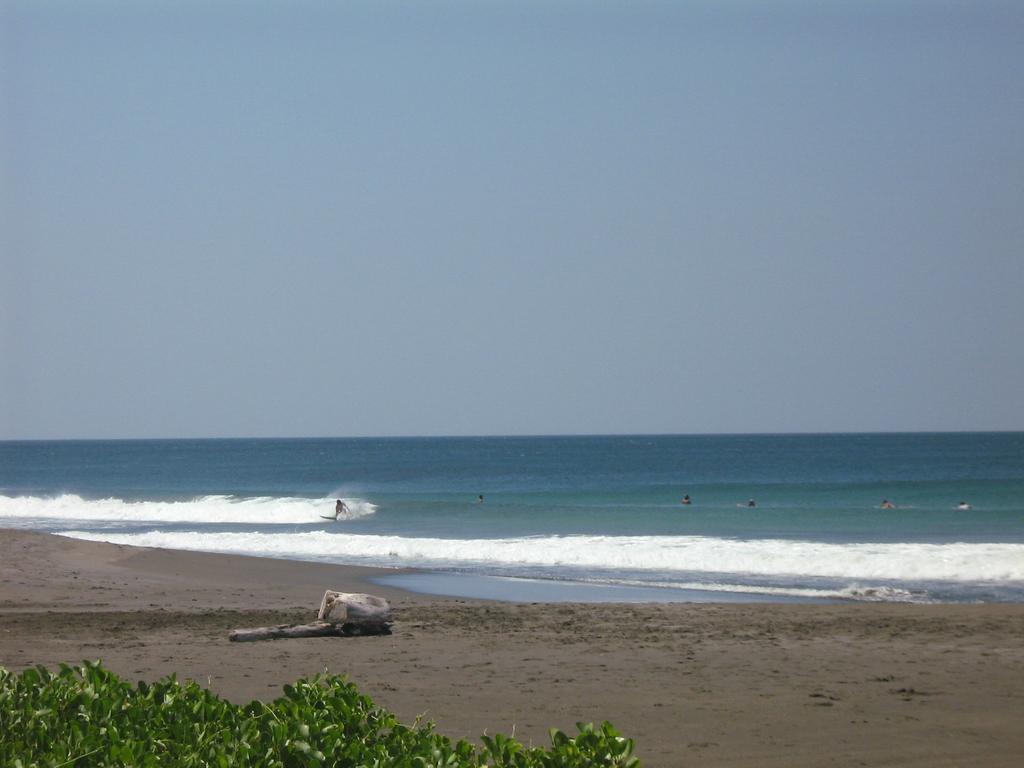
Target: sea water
x,y
565,517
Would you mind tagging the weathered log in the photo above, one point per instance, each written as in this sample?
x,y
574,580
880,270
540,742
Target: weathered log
x,y
354,607
316,629
353,614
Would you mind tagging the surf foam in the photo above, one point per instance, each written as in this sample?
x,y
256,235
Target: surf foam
x,y
958,562
204,509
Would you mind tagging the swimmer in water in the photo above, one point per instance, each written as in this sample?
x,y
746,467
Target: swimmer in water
x,y
886,504
963,505
686,499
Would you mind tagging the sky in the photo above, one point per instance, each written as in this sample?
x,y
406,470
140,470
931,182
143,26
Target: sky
x,y
456,218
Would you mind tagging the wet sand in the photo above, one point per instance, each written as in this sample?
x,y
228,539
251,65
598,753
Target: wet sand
x,y
693,684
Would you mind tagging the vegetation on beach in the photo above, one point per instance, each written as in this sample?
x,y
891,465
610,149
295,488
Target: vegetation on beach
x,y
87,716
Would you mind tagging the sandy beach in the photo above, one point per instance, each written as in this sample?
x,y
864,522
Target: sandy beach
x,y
693,684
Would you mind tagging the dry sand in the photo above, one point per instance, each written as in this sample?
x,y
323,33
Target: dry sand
x,y
693,684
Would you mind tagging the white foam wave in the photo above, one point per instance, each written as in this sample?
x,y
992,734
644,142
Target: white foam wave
x,y
886,594
69,508
958,562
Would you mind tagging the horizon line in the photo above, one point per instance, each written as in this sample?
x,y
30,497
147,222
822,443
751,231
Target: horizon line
x,y
496,436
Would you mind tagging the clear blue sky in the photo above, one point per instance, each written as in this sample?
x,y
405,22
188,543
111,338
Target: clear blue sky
x,y
284,219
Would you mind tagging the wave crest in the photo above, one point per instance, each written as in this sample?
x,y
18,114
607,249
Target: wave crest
x,y
204,509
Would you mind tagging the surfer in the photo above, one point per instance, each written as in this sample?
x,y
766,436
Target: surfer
x,y
480,499
340,508
751,503
686,499
886,504
963,505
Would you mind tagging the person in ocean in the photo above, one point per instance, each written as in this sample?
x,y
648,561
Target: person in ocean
x,y
686,499
340,507
886,504
480,499
963,505
751,503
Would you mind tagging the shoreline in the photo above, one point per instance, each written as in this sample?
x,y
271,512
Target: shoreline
x,y
744,684
466,583
522,589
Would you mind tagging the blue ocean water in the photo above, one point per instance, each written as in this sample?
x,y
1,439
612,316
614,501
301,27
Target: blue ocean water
x,y
598,511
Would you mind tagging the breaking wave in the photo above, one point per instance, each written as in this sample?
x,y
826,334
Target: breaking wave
x,y
262,510
763,558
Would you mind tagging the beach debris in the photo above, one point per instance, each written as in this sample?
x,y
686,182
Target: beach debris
x,y
341,614
355,607
907,694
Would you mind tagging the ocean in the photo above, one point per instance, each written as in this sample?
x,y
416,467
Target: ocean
x,y
592,518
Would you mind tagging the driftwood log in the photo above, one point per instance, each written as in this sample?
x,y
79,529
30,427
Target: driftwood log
x,y
341,614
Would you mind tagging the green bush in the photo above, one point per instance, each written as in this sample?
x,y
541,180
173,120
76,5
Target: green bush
x,y
87,716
